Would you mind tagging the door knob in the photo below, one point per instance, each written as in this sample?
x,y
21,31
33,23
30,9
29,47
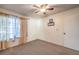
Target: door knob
x,y
64,33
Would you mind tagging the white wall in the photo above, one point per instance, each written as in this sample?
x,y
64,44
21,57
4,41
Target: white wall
x,y
67,22
35,26
53,34
38,28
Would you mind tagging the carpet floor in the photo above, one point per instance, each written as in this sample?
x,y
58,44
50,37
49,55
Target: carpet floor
x,y
39,47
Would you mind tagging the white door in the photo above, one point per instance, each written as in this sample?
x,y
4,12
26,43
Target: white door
x,y
71,29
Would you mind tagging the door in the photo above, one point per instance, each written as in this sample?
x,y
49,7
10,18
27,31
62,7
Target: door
x,y
71,29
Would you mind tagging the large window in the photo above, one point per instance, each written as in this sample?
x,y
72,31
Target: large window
x,y
9,27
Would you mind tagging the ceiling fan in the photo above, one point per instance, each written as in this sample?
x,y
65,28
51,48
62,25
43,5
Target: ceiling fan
x,y
42,8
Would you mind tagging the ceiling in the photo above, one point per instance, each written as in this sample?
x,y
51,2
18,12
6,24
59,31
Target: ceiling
x,y
28,9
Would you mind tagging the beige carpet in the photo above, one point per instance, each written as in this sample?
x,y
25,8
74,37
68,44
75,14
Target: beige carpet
x,y
38,47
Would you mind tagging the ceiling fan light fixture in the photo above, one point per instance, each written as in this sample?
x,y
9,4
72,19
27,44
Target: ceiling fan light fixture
x,y
42,10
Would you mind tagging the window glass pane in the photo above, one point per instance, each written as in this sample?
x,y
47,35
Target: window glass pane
x,y
9,27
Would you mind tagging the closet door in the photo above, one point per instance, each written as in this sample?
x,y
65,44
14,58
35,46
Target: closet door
x,y
71,29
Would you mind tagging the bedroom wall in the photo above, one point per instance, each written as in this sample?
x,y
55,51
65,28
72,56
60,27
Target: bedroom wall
x,y
54,34
65,22
38,28
35,27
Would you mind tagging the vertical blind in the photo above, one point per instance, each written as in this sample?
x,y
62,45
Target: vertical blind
x,y
9,27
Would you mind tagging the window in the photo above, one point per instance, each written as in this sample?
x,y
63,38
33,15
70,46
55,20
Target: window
x,y
9,27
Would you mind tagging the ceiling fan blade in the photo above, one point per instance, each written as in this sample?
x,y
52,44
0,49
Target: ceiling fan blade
x,y
37,11
36,6
50,9
43,5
